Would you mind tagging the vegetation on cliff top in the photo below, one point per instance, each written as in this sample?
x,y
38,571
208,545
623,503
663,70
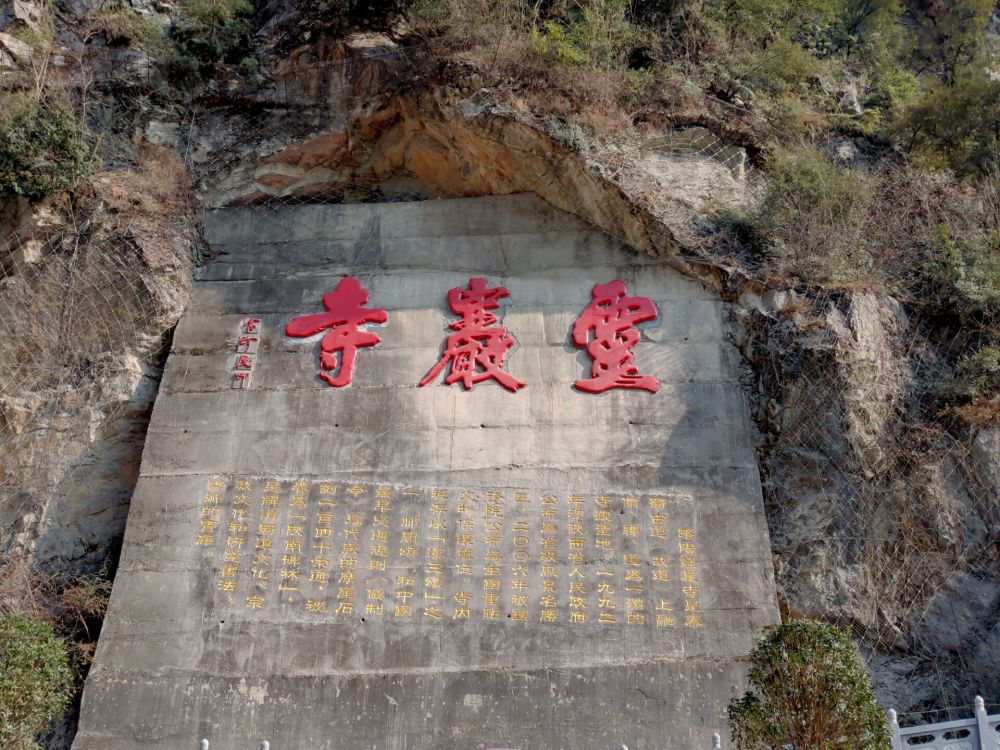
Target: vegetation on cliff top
x,y
875,125
43,149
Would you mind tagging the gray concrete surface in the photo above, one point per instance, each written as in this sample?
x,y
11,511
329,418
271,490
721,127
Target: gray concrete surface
x,y
387,566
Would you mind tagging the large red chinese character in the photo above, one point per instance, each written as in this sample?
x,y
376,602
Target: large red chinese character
x,y
476,352
345,312
606,329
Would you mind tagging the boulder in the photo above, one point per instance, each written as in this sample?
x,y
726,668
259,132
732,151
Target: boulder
x,y
15,14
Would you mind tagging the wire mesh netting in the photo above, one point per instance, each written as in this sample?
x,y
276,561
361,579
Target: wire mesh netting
x,y
89,286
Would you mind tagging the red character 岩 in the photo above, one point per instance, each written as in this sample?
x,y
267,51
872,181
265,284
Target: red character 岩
x,y
345,312
606,329
476,351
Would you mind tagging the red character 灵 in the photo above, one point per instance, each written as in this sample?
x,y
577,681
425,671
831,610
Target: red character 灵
x,y
345,312
606,329
476,351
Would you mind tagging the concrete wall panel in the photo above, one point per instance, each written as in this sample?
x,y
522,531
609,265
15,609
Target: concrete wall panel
x,y
389,566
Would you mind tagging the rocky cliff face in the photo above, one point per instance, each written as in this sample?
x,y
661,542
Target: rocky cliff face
x,y
881,519
90,291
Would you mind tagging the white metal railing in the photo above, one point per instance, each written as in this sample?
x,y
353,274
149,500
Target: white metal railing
x,y
981,732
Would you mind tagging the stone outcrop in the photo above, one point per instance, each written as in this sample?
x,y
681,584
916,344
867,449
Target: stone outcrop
x,y
839,380
439,144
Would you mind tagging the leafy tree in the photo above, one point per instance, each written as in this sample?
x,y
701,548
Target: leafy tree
x,y
809,692
35,680
953,37
958,125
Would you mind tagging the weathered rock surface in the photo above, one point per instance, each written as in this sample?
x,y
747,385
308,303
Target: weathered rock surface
x,y
19,14
87,305
878,519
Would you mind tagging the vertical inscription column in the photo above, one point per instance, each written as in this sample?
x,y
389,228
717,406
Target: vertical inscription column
x,y
493,514
350,549
296,521
552,564
608,595
576,580
524,572
262,564
436,531
237,530
660,562
321,547
236,537
690,588
633,555
378,552
408,554
464,598
211,512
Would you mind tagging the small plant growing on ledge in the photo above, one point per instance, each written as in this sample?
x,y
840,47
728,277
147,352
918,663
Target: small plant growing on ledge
x,y
43,149
809,691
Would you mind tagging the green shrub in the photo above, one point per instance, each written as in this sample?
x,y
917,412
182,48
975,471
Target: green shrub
x,y
568,135
810,221
593,32
815,210
957,125
122,24
781,67
792,117
207,32
249,65
213,14
554,42
964,273
35,681
976,376
809,691
42,149
892,91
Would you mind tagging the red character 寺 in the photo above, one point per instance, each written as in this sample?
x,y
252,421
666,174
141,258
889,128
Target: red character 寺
x,y
476,352
606,330
345,312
